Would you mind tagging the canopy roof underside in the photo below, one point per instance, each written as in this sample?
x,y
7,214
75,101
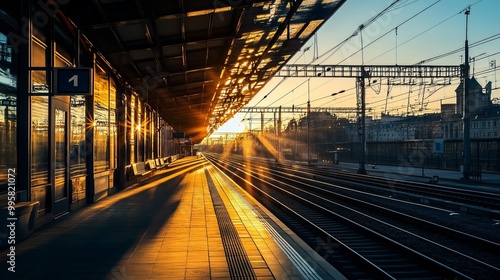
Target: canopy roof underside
x,y
198,62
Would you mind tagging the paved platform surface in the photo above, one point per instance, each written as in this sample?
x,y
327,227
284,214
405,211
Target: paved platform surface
x,y
185,223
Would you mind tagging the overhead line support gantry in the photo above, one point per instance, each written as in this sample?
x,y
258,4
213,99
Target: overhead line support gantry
x,y
298,110
362,72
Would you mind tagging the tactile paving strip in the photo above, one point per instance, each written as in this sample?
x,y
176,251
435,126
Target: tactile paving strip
x,y
237,259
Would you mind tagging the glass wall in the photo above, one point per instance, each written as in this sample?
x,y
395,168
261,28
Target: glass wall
x,y
8,109
113,127
139,130
105,127
101,120
132,130
148,136
39,117
113,133
78,149
147,133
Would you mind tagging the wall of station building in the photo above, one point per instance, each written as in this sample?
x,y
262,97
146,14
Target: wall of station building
x,y
67,151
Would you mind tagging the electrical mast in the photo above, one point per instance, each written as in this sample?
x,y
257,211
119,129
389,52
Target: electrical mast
x,y
362,72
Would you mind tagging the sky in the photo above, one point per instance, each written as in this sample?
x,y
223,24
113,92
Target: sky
x,y
410,32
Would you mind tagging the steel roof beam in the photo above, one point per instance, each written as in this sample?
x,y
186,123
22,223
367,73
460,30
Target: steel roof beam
x,y
117,36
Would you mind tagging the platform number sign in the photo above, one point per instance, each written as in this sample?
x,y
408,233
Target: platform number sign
x,y
73,81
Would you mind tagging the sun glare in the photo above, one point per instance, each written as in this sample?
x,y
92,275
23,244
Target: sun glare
x,y
234,125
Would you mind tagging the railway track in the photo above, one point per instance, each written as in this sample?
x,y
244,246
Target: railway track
x,y
363,239
442,196
460,196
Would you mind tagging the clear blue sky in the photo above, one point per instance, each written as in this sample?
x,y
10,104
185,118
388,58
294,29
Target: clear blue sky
x,y
425,29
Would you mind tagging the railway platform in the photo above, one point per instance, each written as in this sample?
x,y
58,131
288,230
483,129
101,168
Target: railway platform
x,y
185,222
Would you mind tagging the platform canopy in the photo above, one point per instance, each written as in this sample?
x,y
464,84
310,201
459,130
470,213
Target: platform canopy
x,y
197,62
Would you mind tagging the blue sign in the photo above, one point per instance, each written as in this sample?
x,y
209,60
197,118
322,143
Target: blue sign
x,y
438,146
178,134
73,81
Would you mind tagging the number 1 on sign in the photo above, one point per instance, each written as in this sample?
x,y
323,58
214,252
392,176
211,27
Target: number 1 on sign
x,y
74,79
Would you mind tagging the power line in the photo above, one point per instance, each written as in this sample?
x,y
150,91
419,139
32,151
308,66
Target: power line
x,y
478,43
416,36
383,35
335,48
359,29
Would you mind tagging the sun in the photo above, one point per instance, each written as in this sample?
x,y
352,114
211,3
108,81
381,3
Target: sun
x,y
234,125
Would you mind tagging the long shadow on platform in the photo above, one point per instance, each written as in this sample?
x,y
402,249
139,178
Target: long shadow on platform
x,y
93,242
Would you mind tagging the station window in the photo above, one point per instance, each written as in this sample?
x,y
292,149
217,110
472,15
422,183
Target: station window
x,y
113,127
8,110
77,137
65,41
39,83
39,140
105,127
138,129
149,133
39,116
131,130
101,120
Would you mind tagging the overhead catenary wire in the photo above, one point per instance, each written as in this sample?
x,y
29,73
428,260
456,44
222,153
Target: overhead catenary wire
x,y
364,25
414,37
390,31
458,50
281,81
484,41
356,32
423,32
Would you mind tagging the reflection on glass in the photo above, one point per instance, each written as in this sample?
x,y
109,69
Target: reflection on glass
x,y
39,140
148,134
78,151
140,145
37,53
65,40
8,112
60,159
113,128
38,77
61,61
39,149
101,120
131,130
38,82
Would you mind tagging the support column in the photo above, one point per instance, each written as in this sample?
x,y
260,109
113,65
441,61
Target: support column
x,y
89,141
465,102
121,118
361,103
24,115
